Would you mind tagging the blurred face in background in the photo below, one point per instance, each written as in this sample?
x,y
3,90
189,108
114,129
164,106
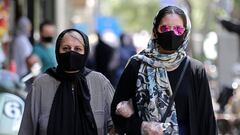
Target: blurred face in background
x,y
24,26
47,33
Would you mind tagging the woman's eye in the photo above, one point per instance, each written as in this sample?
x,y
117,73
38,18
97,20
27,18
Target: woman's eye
x,y
164,28
66,48
77,49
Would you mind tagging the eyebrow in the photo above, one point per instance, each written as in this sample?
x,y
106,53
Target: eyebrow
x,y
67,45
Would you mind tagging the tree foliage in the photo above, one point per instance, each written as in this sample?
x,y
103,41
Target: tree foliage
x,y
237,2
133,15
236,11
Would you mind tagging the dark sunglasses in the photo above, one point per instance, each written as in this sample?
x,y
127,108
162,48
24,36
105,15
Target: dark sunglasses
x,y
178,30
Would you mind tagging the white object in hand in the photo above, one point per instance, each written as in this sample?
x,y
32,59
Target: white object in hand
x,y
153,128
125,109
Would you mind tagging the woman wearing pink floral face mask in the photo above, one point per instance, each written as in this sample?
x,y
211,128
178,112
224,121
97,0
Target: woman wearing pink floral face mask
x,y
168,90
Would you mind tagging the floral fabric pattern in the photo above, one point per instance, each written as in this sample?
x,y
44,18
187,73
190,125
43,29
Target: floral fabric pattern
x,y
153,86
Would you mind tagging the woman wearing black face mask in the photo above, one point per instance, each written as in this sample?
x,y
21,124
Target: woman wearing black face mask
x,y
69,99
169,91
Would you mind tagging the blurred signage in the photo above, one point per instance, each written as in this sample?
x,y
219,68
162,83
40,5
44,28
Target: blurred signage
x,y
82,27
106,23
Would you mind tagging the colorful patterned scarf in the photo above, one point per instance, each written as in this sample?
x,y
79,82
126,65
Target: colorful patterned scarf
x,y
153,86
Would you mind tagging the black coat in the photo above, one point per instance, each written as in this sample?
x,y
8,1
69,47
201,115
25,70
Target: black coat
x,y
197,99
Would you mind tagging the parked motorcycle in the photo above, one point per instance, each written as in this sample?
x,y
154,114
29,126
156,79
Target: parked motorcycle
x,y
12,95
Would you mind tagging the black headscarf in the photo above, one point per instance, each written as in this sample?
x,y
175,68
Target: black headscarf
x,y
71,113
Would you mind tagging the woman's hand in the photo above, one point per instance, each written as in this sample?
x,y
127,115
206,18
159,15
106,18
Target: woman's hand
x,y
125,109
151,128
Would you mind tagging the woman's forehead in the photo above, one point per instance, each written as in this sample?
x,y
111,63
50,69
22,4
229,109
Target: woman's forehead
x,y
73,36
172,19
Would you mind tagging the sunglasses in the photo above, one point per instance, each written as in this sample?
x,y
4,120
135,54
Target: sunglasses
x,y
178,30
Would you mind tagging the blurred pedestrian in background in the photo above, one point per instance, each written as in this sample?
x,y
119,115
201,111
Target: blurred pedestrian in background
x,y
162,90
4,51
34,69
44,49
106,56
229,98
21,46
127,49
69,99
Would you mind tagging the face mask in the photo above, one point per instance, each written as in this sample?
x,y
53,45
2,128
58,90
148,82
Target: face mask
x,y
71,61
47,39
169,41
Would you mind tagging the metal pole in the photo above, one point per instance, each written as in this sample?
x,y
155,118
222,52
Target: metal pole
x,y
60,11
30,14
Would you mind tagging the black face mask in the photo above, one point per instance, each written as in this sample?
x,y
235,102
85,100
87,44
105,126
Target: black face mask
x,y
71,61
169,41
47,39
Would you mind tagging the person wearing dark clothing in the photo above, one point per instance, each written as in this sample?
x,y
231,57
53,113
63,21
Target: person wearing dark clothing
x,y
103,56
142,101
224,97
184,98
69,99
127,50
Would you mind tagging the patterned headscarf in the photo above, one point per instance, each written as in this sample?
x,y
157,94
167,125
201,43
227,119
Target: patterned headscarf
x,y
153,86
